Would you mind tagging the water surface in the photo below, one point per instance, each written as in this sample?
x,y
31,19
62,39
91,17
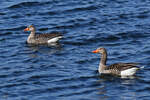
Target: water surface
x,y
69,70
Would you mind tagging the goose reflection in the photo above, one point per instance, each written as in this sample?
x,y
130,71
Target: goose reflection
x,y
108,86
43,49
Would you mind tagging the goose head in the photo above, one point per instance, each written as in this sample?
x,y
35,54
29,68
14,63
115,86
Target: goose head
x,y
100,50
30,28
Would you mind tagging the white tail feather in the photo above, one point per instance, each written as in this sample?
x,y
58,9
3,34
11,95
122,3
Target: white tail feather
x,y
53,40
129,72
142,67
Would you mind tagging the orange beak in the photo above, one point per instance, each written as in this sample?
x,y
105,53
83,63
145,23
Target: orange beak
x,y
95,51
26,29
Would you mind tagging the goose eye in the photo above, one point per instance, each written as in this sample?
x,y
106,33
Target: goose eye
x,y
100,48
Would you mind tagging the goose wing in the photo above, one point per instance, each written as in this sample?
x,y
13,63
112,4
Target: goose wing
x,y
46,37
121,66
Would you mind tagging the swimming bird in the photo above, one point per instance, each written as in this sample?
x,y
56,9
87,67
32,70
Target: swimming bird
x,y
121,69
47,38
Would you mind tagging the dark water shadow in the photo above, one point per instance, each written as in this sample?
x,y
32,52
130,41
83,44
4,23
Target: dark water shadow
x,y
109,77
105,79
107,82
44,49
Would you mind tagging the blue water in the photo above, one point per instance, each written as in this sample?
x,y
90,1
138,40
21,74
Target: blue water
x,y
69,71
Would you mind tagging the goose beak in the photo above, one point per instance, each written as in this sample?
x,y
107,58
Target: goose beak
x,y
95,51
26,29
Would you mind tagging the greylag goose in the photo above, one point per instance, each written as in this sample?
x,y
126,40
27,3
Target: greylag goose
x,y
121,69
47,38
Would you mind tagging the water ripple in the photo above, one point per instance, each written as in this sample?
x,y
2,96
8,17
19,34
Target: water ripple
x,y
24,4
69,69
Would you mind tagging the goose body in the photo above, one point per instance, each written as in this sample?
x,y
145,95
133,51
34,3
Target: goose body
x,y
121,69
47,38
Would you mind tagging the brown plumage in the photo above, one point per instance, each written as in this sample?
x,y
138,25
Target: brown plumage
x,y
42,38
121,66
123,69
